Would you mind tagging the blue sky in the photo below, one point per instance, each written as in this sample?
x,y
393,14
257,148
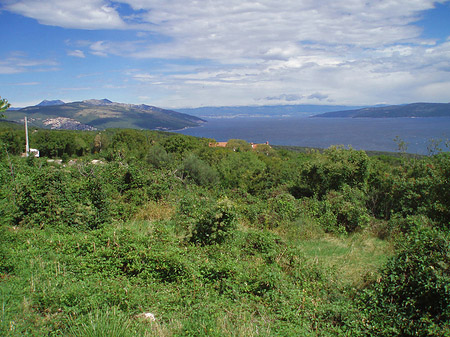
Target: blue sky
x,y
174,54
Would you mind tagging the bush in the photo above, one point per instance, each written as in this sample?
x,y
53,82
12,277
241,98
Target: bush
x,y
412,296
243,170
53,196
215,225
158,157
262,242
349,208
199,171
278,210
320,212
399,225
331,170
438,187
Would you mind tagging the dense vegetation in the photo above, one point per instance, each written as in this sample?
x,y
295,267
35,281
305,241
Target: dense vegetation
x,y
219,241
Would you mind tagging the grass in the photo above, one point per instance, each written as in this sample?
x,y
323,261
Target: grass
x,y
153,210
352,258
96,283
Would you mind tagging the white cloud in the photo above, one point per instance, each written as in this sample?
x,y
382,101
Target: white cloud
x,y
76,53
27,83
21,64
82,14
144,77
6,69
285,97
99,48
226,29
347,51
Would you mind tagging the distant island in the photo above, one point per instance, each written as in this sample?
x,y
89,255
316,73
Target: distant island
x,y
393,111
96,114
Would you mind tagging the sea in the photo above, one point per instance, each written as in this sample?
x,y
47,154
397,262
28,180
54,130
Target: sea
x,y
420,135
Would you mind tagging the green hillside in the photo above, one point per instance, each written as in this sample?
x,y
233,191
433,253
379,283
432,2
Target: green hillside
x,y
147,233
102,114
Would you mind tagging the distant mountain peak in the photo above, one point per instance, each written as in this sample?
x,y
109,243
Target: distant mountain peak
x,y
50,103
98,101
107,102
103,113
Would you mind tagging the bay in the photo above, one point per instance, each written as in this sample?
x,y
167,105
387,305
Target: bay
x,y
371,134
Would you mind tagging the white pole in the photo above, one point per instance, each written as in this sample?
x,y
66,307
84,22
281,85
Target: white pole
x,y
27,145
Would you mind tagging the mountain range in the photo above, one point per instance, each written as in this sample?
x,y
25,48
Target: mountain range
x,y
307,110
264,110
393,111
95,114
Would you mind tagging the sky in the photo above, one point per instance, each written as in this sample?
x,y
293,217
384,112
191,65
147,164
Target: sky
x,y
186,53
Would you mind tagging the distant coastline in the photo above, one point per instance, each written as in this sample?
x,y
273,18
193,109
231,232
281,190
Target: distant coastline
x,y
370,134
414,110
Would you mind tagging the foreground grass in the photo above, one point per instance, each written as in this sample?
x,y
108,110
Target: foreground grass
x,y
260,283
352,258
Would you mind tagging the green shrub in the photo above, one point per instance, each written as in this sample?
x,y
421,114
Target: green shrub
x,y
129,142
11,142
180,144
332,170
242,170
349,208
412,296
6,254
215,225
340,212
437,185
158,157
400,225
265,280
271,212
199,171
201,324
192,206
262,242
321,213
285,206
54,196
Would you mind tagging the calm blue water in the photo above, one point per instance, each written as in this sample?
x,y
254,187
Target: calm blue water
x,y
359,133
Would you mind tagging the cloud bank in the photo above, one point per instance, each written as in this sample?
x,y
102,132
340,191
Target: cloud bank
x,y
231,52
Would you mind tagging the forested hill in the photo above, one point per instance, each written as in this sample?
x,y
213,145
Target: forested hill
x,y
392,111
101,114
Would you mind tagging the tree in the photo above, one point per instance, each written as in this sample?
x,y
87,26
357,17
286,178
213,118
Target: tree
x,y
332,170
199,171
158,157
100,143
239,145
4,105
13,140
402,146
180,144
130,142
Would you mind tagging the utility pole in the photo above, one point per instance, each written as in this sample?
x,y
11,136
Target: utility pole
x,y
27,145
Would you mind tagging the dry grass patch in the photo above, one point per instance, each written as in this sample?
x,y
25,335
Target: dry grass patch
x,y
155,211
